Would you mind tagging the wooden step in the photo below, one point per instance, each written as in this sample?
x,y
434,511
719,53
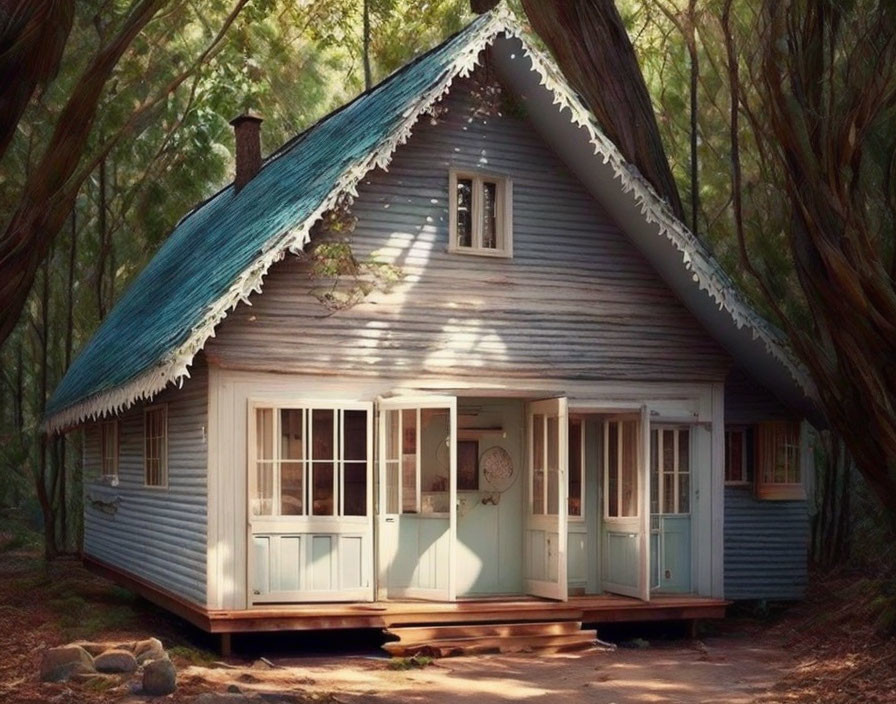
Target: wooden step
x,y
471,639
420,634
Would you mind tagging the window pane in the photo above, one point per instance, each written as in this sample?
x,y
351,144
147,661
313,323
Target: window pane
x,y
292,483
291,434
489,215
574,490
734,456
668,492
629,468
322,494
354,489
392,430
612,469
435,428
409,461
464,212
322,422
655,438
553,466
354,435
538,464
264,434
263,500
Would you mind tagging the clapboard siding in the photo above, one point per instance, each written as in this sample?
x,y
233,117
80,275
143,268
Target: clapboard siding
x,y
576,301
765,547
157,534
765,541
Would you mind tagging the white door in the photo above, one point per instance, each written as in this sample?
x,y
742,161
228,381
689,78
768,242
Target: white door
x,y
545,535
626,512
310,513
417,498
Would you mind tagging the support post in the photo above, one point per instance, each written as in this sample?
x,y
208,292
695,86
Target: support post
x,y
225,645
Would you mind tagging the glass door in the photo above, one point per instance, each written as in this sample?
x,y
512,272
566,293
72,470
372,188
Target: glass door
x,y
626,516
670,508
418,498
545,534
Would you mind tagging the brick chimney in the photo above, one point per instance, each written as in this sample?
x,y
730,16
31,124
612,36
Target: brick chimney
x,y
247,133
480,7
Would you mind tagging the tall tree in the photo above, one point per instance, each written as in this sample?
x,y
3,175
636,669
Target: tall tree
x,y
592,47
816,81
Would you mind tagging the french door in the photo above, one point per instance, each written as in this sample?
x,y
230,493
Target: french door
x,y
545,534
626,512
310,513
417,497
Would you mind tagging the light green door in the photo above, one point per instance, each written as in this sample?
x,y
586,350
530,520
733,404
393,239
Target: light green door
x,y
670,506
625,548
418,498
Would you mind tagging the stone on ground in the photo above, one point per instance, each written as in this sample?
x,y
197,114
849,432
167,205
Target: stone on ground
x,y
149,649
159,677
115,661
58,664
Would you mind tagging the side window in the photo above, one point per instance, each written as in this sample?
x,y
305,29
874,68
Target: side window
x,y
109,451
155,444
480,214
778,462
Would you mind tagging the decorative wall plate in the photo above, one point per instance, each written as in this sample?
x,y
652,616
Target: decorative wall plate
x,y
497,468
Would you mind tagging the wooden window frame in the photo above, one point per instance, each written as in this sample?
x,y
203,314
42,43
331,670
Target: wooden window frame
x,y
745,474
770,490
163,453
503,214
581,449
676,469
308,407
620,515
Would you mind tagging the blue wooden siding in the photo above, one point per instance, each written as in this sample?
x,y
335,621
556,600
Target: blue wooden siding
x,y
766,542
158,534
765,547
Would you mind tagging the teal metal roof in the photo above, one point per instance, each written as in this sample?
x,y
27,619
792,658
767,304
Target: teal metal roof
x,y
211,249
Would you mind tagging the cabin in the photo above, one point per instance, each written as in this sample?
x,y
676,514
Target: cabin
x,y
442,358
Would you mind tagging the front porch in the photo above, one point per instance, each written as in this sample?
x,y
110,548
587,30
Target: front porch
x,y
604,608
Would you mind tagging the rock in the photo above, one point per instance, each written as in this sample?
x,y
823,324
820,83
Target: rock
x,y
115,661
58,664
233,689
93,648
159,677
149,649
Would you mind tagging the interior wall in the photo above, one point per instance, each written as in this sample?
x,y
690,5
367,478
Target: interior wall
x,y
490,537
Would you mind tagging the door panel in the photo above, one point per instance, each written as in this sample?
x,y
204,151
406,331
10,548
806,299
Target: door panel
x,y
418,498
626,517
546,519
310,502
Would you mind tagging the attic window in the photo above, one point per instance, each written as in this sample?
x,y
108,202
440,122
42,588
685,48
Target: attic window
x,y
480,218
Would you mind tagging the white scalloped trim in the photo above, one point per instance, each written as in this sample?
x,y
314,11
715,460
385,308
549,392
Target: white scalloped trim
x,y
707,273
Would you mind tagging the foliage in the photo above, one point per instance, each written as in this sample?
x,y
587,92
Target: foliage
x,y
153,151
415,662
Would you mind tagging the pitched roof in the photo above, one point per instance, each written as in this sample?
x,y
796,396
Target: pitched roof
x,y
219,253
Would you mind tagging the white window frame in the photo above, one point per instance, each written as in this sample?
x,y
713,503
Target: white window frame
x,y
163,458
308,406
743,481
503,214
109,426
676,469
581,450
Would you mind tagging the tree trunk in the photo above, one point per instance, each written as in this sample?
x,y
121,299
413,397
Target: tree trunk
x,y
592,48
368,80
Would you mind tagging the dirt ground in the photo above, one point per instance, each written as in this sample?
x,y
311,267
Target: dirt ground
x,y
823,650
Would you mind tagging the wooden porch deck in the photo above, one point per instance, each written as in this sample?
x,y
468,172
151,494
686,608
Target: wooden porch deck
x,y
604,608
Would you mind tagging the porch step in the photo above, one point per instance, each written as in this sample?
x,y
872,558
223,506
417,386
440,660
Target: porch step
x,y
473,639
